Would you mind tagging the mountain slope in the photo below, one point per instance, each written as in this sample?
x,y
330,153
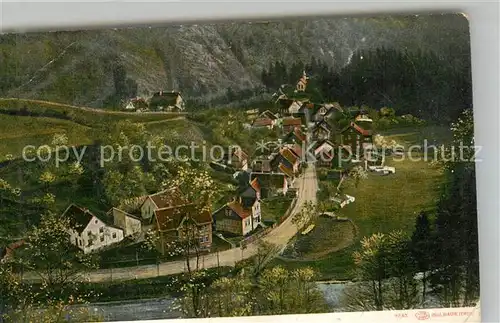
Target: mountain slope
x,y
89,67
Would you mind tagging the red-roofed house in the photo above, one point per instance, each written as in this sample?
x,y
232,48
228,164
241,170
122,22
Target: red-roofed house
x,y
289,124
263,122
168,198
233,218
174,223
236,158
355,136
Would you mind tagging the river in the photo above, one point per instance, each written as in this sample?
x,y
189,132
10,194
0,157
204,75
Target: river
x,y
154,309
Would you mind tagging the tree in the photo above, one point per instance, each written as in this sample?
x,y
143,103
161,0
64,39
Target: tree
x,y
358,173
283,292
421,243
49,254
371,266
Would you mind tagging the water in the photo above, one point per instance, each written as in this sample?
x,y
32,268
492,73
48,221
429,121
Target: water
x,y
155,309
332,293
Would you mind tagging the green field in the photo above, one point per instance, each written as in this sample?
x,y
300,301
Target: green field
x,y
386,203
18,131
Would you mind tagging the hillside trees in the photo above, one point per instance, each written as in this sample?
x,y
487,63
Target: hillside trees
x,y
412,82
388,264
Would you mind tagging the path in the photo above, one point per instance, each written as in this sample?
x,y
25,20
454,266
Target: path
x,y
93,110
306,185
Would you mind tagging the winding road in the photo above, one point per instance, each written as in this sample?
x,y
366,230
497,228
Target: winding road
x,y
306,185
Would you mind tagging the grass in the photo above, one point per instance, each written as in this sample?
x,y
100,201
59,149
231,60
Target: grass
x,y
327,236
19,131
274,209
386,203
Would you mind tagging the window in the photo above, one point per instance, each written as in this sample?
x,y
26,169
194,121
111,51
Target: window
x,y
95,221
102,238
80,242
89,233
114,235
101,229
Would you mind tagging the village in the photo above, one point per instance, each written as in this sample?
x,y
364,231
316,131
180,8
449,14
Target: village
x,y
270,173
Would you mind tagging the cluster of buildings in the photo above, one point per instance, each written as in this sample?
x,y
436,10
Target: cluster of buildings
x,y
167,101
270,174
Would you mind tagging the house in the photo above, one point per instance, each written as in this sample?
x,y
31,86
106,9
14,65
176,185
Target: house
x,y
233,218
356,137
183,222
324,152
332,110
295,136
262,165
302,83
271,183
268,114
130,224
136,104
321,130
286,161
236,158
289,106
263,123
248,196
291,123
297,150
243,214
88,232
167,101
168,198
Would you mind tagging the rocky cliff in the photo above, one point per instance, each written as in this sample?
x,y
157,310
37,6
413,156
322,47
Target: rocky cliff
x,y
87,67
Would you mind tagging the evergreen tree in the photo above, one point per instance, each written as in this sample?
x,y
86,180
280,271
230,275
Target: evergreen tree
x,y
421,245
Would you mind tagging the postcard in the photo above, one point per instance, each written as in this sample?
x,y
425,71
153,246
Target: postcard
x,y
239,169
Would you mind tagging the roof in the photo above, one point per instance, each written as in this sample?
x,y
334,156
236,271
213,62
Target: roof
x,y
285,103
288,155
168,198
239,210
124,213
240,154
358,128
287,171
269,179
172,218
292,122
167,94
78,217
262,122
268,114
297,150
299,134
165,97
255,184
362,131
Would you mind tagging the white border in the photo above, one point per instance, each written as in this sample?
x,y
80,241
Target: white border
x,y
484,19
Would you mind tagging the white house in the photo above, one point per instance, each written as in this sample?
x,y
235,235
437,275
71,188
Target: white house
x,y
130,224
88,232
